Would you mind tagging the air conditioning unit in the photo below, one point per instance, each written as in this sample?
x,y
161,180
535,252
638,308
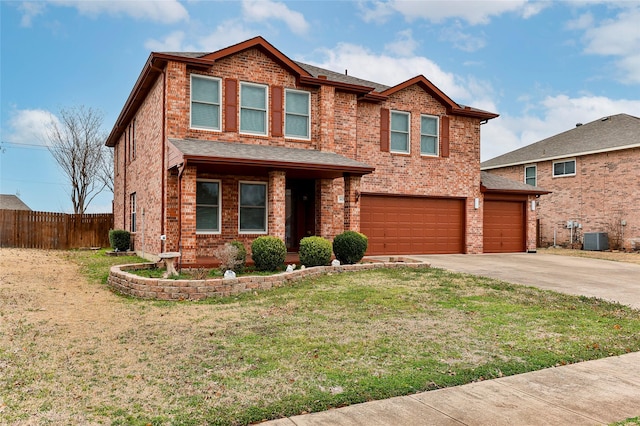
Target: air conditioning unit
x,y
596,241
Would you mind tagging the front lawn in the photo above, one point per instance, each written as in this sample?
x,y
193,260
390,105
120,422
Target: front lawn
x,y
325,342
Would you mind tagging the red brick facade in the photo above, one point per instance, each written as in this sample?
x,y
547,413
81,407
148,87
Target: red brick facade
x,y
603,194
343,121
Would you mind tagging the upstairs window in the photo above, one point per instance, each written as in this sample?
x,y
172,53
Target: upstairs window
x,y
428,135
253,109
208,206
253,208
400,132
205,102
530,175
297,107
564,168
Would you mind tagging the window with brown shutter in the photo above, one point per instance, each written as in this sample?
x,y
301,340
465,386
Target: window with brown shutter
x,y
384,129
276,111
444,136
231,105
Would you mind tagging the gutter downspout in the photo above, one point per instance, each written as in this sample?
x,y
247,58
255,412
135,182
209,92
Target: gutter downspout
x,y
181,168
163,213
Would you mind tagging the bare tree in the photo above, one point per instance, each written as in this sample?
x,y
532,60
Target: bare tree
x,y
76,141
106,167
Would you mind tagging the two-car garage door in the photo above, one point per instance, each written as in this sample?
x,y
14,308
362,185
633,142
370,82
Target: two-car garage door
x,y
412,225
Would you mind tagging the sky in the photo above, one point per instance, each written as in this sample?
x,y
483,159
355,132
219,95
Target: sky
x,y
543,66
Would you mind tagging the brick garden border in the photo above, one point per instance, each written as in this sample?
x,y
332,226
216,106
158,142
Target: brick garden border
x,y
167,289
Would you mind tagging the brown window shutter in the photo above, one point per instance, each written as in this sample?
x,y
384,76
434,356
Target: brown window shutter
x,y
276,111
231,105
444,136
384,129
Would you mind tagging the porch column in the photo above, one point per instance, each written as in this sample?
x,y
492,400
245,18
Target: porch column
x,y
324,207
276,214
352,203
188,243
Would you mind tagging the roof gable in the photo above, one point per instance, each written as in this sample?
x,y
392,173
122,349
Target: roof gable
x,y
266,47
611,133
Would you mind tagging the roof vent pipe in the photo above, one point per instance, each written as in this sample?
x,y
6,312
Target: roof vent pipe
x,y
578,124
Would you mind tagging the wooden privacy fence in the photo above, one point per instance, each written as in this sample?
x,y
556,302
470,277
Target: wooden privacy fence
x,y
44,230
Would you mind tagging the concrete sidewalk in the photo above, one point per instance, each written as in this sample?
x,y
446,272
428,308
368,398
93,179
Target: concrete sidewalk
x,y
587,393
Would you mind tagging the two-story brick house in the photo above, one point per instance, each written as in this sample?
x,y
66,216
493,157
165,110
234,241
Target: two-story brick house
x,y
243,142
593,171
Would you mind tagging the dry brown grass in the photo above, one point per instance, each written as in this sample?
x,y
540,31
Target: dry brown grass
x,y
605,255
72,352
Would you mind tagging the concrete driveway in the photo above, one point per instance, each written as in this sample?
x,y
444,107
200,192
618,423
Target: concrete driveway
x,y
613,281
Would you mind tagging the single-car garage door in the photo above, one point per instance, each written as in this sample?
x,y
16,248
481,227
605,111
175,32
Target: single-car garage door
x,y
504,226
412,225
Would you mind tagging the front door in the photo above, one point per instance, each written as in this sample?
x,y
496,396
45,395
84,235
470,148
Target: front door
x,y
300,211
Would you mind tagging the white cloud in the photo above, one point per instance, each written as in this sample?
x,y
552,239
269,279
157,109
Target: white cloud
x,y
29,126
264,10
558,114
173,42
404,45
30,9
473,12
164,11
463,41
618,37
226,34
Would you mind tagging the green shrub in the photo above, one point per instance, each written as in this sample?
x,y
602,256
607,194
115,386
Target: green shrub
x,y
268,253
349,247
315,251
119,239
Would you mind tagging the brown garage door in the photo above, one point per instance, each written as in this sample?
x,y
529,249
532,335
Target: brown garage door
x,y
412,225
504,226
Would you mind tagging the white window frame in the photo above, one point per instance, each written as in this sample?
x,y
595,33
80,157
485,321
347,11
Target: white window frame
x,y
219,104
308,116
391,131
437,135
535,173
266,207
567,160
133,222
266,109
208,231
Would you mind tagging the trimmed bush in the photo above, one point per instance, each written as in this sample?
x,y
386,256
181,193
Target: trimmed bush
x,y
119,239
315,251
268,253
349,247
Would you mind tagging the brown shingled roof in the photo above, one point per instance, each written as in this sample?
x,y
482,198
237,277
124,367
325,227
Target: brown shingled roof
x,y
609,133
490,182
12,202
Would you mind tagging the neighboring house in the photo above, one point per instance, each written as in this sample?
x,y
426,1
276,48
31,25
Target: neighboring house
x,y
593,171
243,142
12,202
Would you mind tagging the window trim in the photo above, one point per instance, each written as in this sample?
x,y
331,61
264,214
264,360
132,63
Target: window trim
x,y
308,137
408,133
535,174
266,109
566,160
266,207
437,135
219,104
210,232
